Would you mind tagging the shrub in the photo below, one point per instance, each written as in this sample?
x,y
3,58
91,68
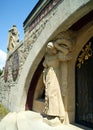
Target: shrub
x,y
1,71
3,111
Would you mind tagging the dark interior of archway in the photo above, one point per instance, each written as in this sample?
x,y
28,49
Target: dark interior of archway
x,y
82,22
32,87
84,88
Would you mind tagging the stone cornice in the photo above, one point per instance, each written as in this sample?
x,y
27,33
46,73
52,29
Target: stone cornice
x,y
35,11
38,13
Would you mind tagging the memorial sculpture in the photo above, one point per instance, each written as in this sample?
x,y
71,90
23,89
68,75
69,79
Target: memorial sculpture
x,y
56,53
13,38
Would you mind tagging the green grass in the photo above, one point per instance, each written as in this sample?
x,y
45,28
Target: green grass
x,y
3,111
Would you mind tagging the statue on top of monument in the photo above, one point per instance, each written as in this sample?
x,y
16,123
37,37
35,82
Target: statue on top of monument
x,y
13,38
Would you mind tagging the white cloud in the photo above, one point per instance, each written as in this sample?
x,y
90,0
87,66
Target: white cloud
x,y
2,59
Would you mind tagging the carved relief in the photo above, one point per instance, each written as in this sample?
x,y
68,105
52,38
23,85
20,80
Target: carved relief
x,y
64,43
51,75
15,65
57,51
86,52
13,38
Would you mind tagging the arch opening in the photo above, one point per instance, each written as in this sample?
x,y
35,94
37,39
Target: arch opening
x,y
84,85
36,89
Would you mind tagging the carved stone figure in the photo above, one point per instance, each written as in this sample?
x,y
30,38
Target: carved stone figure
x,y
53,100
13,38
57,52
64,45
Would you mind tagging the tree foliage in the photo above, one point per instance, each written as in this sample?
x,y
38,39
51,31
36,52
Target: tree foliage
x,y
1,71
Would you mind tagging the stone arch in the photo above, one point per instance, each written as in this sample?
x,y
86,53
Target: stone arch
x,y
38,50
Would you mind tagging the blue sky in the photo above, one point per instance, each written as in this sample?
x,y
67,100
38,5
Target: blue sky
x,y
13,12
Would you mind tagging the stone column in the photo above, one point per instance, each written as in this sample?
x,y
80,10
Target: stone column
x,y
64,85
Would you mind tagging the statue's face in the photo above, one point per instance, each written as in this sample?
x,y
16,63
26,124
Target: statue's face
x,y
51,48
50,45
14,30
51,51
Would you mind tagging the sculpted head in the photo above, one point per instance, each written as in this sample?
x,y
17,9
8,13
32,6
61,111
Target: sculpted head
x,y
51,48
50,45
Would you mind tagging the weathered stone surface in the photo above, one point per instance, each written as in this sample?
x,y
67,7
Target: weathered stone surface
x,y
13,38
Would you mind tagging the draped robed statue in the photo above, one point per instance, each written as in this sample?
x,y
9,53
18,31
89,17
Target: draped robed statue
x,y
56,52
